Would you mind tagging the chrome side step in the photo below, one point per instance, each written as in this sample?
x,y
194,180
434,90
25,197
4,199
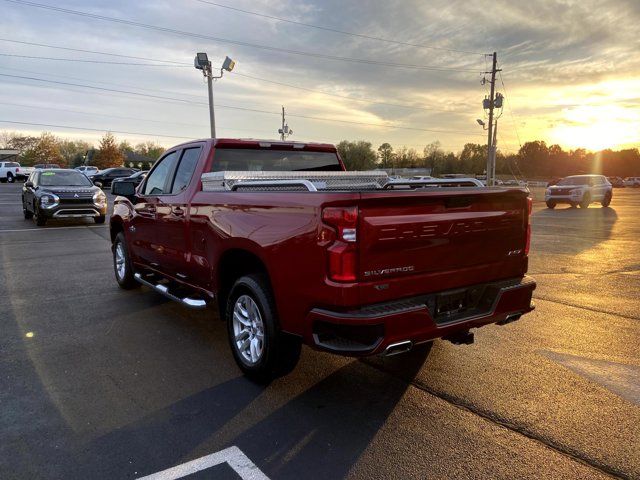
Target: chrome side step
x,y
162,289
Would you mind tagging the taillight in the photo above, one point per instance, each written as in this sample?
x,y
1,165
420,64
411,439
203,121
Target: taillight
x,y
527,244
343,252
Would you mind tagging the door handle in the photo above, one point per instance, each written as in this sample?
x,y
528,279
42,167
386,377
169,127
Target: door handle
x,y
177,211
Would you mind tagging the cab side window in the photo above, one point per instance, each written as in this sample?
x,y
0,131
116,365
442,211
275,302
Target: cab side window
x,y
185,169
156,183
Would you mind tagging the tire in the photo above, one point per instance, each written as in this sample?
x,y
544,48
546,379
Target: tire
x,y
25,211
270,352
99,219
10,178
551,205
573,204
607,200
586,201
38,218
122,266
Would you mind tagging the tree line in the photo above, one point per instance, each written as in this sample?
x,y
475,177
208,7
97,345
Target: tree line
x,y
47,148
534,159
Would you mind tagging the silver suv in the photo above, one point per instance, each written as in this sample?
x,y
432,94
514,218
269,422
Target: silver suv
x,y
580,190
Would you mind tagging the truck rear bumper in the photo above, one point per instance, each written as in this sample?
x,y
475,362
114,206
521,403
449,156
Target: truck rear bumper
x,y
371,329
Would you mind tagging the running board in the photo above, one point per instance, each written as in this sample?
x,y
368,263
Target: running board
x,y
162,289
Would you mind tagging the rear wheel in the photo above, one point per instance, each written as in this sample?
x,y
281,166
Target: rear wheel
x,y
551,205
261,350
586,201
10,178
122,264
607,200
99,219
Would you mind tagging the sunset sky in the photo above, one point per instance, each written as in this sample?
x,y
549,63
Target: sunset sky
x,y
571,70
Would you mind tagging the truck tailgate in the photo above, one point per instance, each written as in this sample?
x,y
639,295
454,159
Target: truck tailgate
x,y
424,232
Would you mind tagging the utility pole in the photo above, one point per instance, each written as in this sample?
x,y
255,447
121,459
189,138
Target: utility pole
x,y
491,153
284,131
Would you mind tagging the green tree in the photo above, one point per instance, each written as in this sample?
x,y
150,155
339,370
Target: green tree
x,y
357,155
434,158
385,154
45,150
149,149
74,151
108,154
473,159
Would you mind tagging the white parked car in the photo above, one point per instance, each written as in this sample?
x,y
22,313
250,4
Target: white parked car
x,y
9,172
88,170
632,182
580,190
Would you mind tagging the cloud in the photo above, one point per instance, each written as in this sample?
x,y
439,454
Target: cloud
x,y
547,48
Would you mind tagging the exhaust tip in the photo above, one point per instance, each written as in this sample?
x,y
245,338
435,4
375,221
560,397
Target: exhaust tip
x,y
510,318
397,348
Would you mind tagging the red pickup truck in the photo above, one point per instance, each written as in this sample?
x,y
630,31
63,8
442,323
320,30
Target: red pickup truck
x,y
296,250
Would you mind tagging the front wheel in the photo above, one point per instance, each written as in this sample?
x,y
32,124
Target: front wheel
x,y
25,211
40,219
607,200
586,201
262,351
122,264
551,205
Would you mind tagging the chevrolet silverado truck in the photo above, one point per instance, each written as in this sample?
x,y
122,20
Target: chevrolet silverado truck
x,y
296,250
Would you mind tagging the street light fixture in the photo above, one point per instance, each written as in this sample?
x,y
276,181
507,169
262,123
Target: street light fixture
x,y
201,62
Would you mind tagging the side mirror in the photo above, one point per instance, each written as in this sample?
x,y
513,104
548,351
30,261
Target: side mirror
x,y
28,184
125,189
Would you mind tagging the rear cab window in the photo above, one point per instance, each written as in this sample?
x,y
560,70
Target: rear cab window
x,y
247,159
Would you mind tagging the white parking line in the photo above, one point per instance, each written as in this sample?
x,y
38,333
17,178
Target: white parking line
x,y
237,460
10,203
51,228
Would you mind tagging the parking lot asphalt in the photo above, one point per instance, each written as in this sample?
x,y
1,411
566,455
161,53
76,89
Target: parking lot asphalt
x,y
97,382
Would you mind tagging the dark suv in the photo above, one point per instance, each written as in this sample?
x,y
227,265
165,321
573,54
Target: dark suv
x,y
62,193
105,177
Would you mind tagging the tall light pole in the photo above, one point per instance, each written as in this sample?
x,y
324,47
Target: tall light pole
x,y
201,62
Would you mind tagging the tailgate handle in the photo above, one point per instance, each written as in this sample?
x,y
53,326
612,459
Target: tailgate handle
x,y
457,202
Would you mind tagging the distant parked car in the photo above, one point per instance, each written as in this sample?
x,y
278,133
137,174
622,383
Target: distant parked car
x,y
105,177
632,182
9,171
136,178
62,193
40,166
580,190
616,182
87,170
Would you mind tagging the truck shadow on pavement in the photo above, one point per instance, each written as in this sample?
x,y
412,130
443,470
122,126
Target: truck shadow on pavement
x,y
319,433
581,229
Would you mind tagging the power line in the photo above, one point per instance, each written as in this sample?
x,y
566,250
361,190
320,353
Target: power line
x,y
236,42
121,117
92,51
173,63
70,127
335,30
89,61
309,117
511,115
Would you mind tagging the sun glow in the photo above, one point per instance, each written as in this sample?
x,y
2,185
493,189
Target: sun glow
x,y
597,127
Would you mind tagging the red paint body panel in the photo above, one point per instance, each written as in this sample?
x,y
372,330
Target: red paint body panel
x,y
409,243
